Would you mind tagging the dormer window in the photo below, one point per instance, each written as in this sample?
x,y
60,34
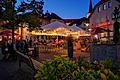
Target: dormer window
x,y
104,7
109,4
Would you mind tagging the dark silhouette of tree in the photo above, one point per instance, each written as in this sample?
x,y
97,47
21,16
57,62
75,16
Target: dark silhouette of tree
x,y
31,13
28,12
116,26
116,34
8,14
116,13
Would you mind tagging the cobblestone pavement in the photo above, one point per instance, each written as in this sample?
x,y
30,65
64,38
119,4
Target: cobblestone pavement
x,y
48,56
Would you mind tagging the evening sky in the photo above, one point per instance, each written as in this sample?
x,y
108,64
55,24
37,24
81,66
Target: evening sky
x,y
67,9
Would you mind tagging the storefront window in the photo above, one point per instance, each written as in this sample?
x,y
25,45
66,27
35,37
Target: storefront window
x,y
109,4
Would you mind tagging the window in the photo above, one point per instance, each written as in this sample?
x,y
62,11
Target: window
x,y
104,7
99,9
109,4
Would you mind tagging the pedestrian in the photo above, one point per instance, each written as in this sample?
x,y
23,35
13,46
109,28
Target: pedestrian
x,y
10,50
70,47
5,51
36,51
25,47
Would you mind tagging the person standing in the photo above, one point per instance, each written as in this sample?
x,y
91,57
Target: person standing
x,y
5,51
70,47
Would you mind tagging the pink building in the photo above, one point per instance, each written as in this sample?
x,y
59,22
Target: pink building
x,y
102,15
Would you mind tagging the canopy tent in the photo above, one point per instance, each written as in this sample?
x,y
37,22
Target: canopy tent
x,y
60,29
54,25
76,28
77,31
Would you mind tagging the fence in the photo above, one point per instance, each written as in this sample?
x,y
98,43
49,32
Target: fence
x,y
33,64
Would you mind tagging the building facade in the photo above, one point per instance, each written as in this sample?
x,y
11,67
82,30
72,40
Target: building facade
x,y
102,15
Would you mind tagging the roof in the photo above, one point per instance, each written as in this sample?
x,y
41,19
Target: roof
x,y
98,4
55,16
75,21
52,16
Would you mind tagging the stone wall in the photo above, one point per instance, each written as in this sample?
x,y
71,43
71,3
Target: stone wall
x,y
101,52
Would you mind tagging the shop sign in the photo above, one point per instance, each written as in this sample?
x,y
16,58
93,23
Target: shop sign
x,y
104,24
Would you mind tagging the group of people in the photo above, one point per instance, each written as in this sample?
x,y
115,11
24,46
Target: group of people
x,y
82,44
8,48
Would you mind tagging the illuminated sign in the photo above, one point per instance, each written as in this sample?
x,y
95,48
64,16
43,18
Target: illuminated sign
x,y
104,24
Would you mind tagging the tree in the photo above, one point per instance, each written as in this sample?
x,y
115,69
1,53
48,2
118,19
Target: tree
x,y
116,34
8,14
31,12
116,26
28,12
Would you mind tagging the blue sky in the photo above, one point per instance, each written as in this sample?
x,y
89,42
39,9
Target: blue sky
x,y
68,8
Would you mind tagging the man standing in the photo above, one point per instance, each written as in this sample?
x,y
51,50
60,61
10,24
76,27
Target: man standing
x,y
70,47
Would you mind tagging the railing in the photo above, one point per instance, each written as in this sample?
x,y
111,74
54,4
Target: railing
x,y
33,64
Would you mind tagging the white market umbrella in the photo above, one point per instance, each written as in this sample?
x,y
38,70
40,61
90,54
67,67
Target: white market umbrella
x,y
76,28
54,25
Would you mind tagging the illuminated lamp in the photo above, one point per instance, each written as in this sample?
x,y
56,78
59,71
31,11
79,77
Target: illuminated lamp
x,y
87,24
96,36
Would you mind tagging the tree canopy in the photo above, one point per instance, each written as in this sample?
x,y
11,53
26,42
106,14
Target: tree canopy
x,y
29,11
